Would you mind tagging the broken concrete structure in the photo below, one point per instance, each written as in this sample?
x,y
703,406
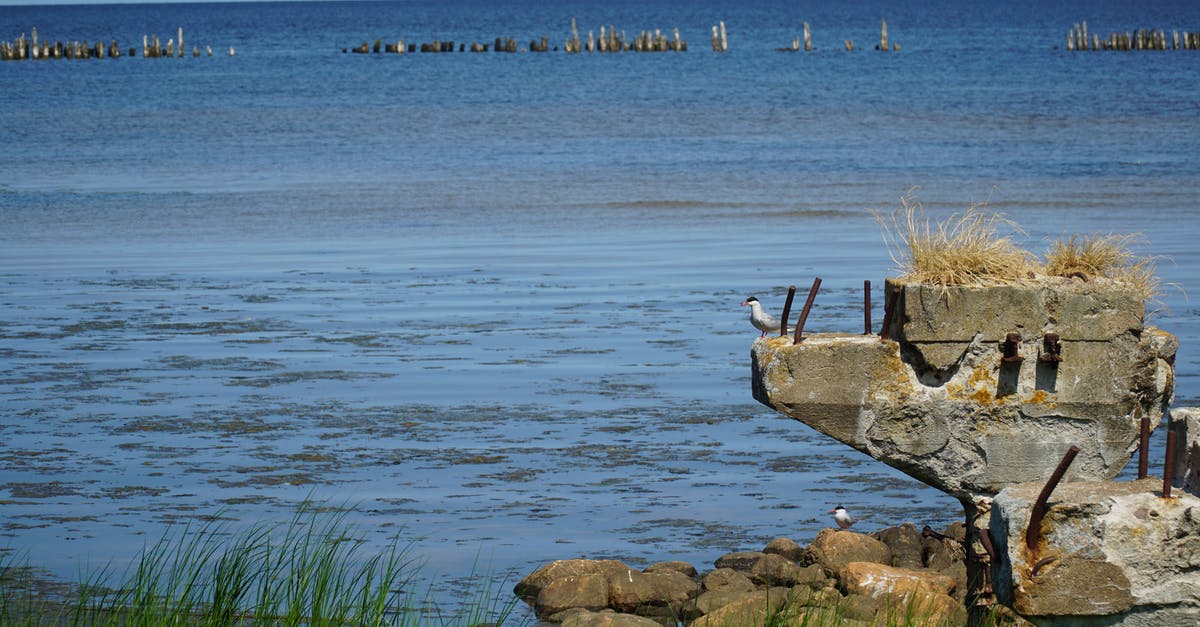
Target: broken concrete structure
x,y
941,402
975,389
1109,553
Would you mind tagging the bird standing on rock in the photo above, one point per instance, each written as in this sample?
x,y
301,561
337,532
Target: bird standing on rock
x,y
761,320
842,517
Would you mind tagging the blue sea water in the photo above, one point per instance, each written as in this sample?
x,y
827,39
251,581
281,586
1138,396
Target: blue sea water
x,y
492,299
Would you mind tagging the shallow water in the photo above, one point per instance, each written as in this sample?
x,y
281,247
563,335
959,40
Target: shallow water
x,y
492,302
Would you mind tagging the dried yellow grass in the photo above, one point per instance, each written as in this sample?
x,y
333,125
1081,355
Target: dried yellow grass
x,y
965,249
1108,256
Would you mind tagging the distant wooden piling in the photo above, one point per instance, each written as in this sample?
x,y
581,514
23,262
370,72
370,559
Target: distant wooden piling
x,y
1079,40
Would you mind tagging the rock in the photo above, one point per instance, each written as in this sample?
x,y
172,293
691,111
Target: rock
x,y
958,572
607,618
812,576
931,610
589,591
529,587
941,553
834,548
859,607
1107,549
905,543
878,580
727,579
751,608
741,562
774,570
679,567
650,594
785,547
711,600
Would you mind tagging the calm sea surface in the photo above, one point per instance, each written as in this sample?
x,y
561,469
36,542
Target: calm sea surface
x,y
491,300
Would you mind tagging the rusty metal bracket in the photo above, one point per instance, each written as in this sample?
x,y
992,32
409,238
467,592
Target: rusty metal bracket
x,y
866,307
1051,349
1010,348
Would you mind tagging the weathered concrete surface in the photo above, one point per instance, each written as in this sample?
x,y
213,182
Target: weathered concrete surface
x,y
965,421
1115,552
1185,422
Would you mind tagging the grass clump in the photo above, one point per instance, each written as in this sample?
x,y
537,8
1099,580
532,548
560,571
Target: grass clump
x,y
965,249
1108,256
310,571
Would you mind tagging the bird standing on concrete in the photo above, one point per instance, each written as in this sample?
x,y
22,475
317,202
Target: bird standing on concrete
x,y
842,517
761,320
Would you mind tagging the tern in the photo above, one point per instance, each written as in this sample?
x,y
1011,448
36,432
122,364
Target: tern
x,y
842,517
761,320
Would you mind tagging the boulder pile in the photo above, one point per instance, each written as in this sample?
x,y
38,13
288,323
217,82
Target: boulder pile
x,y
897,575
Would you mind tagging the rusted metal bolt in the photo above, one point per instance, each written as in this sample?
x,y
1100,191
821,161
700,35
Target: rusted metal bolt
x,y
1009,349
1051,349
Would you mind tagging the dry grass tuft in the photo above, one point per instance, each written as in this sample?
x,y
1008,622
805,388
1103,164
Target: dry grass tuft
x,y
1108,256
965,249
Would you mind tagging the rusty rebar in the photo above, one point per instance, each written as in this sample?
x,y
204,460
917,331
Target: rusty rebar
x,y
1169,465
866,307
1034,531
812,295
985,538
889,311
1144,449
787,309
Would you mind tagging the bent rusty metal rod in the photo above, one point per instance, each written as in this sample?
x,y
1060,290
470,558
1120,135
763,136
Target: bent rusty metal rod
x,y
812,295
787,309
889,310
1034,531
866,307
1144,449
1169,465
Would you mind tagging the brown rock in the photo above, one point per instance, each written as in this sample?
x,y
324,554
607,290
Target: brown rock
x,y
859,607
941,553
727,578
833,549
905,544
929,610
741,562
589,592
607,618
812,576
877,580
785,547
750,608
650,593
775,570
529,587
678,567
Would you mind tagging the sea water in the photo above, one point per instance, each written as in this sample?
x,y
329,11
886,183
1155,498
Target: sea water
x,y
491,300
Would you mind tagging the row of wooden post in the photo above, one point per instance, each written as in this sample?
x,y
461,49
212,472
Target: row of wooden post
x,y
1078,39
30,48
848,44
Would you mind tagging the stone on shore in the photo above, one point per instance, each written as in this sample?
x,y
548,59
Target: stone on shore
x,y
834,548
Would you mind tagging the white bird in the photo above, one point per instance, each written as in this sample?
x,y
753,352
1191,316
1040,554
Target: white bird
x,y
761,320
842,517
